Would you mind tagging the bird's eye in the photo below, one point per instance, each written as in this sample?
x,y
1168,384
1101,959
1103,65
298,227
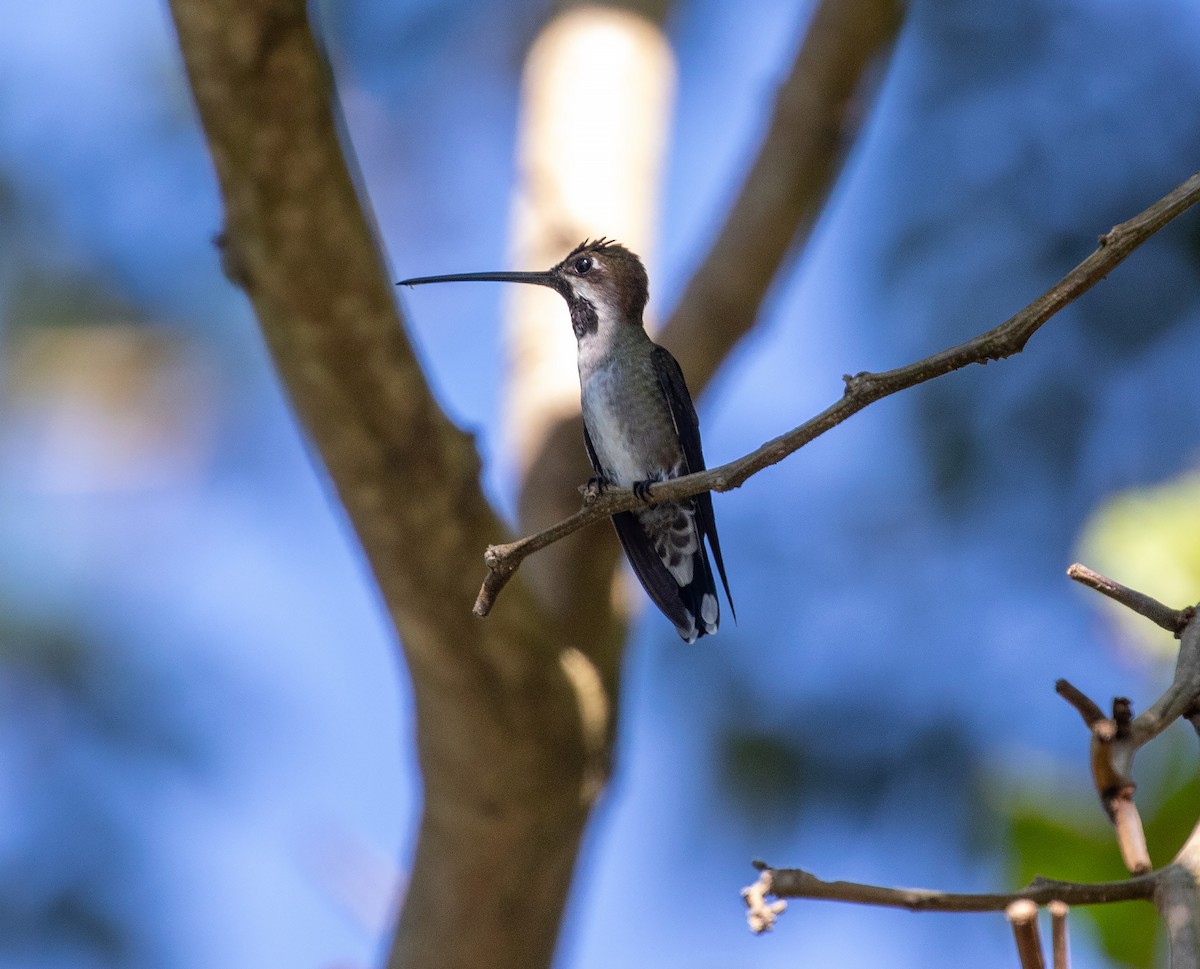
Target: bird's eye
x,y
583,265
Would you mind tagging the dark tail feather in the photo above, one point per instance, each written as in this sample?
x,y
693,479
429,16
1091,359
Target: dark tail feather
x,y
693,609
708,525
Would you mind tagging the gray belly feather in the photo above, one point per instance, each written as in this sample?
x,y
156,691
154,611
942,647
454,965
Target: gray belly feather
x,y
630,426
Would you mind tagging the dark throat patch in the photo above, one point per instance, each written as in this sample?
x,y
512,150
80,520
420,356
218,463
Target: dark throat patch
x,y
584,319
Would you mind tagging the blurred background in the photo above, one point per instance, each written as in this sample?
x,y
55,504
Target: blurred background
x,y
205,747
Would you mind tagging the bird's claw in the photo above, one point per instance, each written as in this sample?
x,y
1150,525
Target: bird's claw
x,y
594,488
641,490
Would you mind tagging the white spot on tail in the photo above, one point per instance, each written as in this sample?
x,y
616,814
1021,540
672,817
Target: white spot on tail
x,y
682,573
708,612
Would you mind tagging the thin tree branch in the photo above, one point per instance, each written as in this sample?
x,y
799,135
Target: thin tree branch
x,y
1130,833
1111,760
1022,915
1087,707
863,389
1172,620
818,112
783,883
1059,940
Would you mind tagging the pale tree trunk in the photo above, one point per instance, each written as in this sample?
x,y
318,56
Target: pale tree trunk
x,y
513,712
596,102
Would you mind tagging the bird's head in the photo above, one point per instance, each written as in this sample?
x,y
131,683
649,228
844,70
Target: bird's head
x,y
601,280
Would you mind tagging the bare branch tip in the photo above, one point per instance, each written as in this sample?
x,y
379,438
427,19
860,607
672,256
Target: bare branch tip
x,y
1144,605
1131,836
1022,914
761,915
1021,910
1087,708
483,602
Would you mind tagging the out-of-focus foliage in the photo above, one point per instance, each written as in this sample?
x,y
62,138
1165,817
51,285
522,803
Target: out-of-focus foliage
x,y
1149,539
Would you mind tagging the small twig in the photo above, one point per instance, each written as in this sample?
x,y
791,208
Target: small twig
x,y
1087,707
797,883
1172,620
1059,942
1131,837
863,389
1022,915
1111,757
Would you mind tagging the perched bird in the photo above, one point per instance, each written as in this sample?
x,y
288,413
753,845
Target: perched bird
x,y
640,426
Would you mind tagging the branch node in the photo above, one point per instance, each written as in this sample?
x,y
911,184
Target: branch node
x,y
859,383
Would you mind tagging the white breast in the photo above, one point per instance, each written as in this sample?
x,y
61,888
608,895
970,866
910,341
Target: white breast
x,y
611,436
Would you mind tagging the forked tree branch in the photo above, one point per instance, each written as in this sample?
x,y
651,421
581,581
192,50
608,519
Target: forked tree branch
x,y
1174,889
1116,740
861,390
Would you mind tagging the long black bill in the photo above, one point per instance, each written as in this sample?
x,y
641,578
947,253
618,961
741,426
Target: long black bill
x,y
538,279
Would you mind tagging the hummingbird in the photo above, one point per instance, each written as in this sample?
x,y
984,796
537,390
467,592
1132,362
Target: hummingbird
x,y
639,427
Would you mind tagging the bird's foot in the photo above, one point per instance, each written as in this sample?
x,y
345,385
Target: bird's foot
x,y
595,488
641,489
